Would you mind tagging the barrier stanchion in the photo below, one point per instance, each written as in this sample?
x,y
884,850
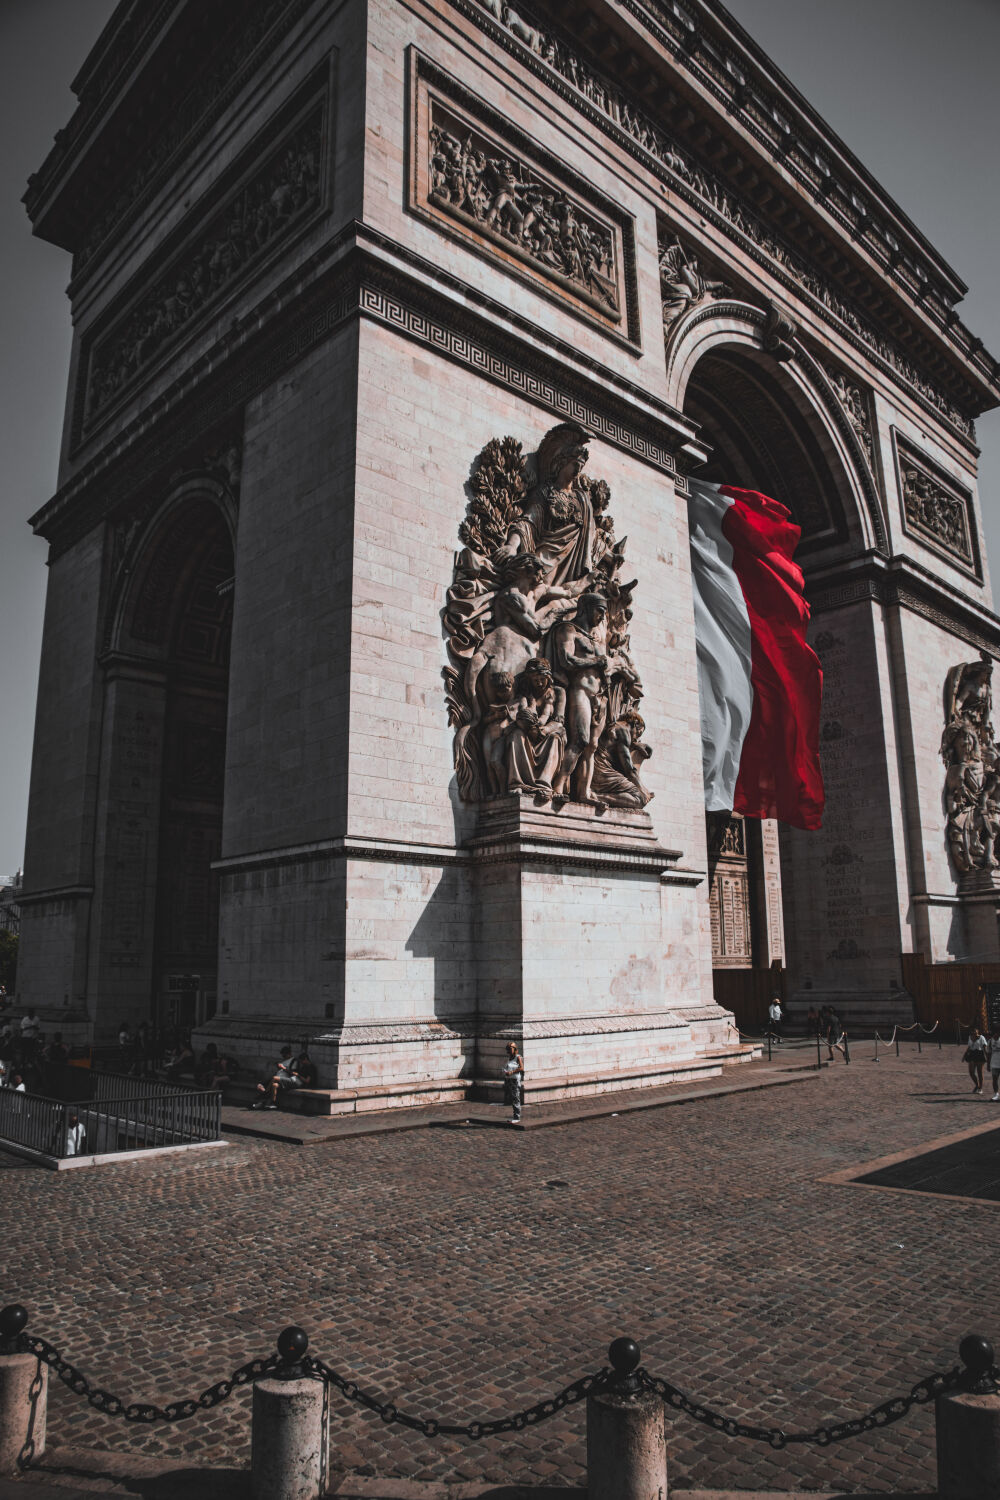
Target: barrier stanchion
x,y
24,1389
876,1046
968,1428
626,1434
290,1428
847,1049
819,1054
895,1037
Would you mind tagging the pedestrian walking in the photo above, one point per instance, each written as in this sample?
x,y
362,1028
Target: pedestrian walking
x,y
834,1033
995,1063
975,1057
513,1081
775,1017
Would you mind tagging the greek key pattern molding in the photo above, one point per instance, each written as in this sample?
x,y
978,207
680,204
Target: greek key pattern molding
x,y
478,356
606,106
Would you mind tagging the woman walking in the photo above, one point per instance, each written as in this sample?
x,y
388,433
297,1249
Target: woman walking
x,y
995,1062
513,1079
975,1056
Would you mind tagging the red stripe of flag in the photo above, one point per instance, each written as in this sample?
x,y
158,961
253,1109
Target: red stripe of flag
x,y
779,774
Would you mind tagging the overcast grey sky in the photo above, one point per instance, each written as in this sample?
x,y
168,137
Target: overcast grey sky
x,y
910,86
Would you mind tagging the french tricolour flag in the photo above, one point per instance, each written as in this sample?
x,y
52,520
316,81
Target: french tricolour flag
x,y
760,683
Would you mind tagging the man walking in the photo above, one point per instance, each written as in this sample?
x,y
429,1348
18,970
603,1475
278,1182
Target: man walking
x,y
775,1017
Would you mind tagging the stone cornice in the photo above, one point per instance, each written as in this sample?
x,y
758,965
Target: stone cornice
x,y
901,582
597,67
360,274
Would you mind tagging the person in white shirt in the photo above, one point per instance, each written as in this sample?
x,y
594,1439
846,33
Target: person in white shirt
x,y
76,1136
995,1063
775,1017
975,1057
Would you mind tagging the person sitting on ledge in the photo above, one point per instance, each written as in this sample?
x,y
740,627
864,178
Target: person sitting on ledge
x,y
305,1070
283,1077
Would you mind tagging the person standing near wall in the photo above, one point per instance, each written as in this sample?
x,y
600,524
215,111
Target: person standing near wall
x,y
995,1062
513,1080
975,1056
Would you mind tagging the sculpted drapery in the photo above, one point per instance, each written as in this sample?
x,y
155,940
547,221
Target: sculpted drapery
x,y
541,688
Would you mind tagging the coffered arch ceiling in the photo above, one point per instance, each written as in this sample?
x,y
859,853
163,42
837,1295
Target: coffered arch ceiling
x,y
764,435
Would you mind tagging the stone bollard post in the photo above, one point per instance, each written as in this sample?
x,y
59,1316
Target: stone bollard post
x,y
626,1434
24,1390
968,1428
290,1429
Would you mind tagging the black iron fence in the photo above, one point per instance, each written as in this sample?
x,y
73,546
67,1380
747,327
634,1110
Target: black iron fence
x,y
104,1113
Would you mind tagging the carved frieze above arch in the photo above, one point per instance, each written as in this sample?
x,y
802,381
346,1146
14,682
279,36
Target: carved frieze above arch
x,y
563,63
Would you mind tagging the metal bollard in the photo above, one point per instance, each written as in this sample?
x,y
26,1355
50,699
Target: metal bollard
x,y
290,1456
24,1390
968,1428
847,1049
896,1039
876,1046
626,1434
819,1054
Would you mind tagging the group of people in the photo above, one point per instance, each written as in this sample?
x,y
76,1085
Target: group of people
x,y
983,1049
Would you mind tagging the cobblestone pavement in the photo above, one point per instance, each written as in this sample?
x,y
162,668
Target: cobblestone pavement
x,y
446,1269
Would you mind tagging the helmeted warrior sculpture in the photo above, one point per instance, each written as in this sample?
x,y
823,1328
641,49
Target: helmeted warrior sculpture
x,y
541,688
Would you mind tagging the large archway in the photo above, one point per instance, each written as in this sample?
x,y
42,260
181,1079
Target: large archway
x,y
166,712
778,897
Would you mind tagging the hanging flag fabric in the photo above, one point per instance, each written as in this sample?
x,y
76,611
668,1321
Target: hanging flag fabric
x,y
759,682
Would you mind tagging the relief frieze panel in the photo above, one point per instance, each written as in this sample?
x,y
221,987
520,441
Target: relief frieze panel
x,y
936,510
477,178
603,101
260,25
276,199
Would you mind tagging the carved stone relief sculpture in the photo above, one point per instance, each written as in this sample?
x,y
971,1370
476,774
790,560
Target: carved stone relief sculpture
x,y
972,779
683,283
286,189
737,218
856,403
541,689
476,177
934,510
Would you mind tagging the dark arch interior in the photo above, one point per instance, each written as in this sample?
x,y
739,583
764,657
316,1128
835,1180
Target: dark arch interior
x,y
761,440
184,606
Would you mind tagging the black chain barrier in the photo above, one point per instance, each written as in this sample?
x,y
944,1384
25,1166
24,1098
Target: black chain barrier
x,y
626,1377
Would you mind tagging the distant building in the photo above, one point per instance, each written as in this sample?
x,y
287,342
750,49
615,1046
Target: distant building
x,y
10,907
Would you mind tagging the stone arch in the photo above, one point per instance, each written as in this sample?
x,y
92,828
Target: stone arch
x,y
157,559
727,359
166,668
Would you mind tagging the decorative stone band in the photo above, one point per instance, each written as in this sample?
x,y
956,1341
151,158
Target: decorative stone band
x,y
905,584
643,858
347,278
464,1026
269,202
